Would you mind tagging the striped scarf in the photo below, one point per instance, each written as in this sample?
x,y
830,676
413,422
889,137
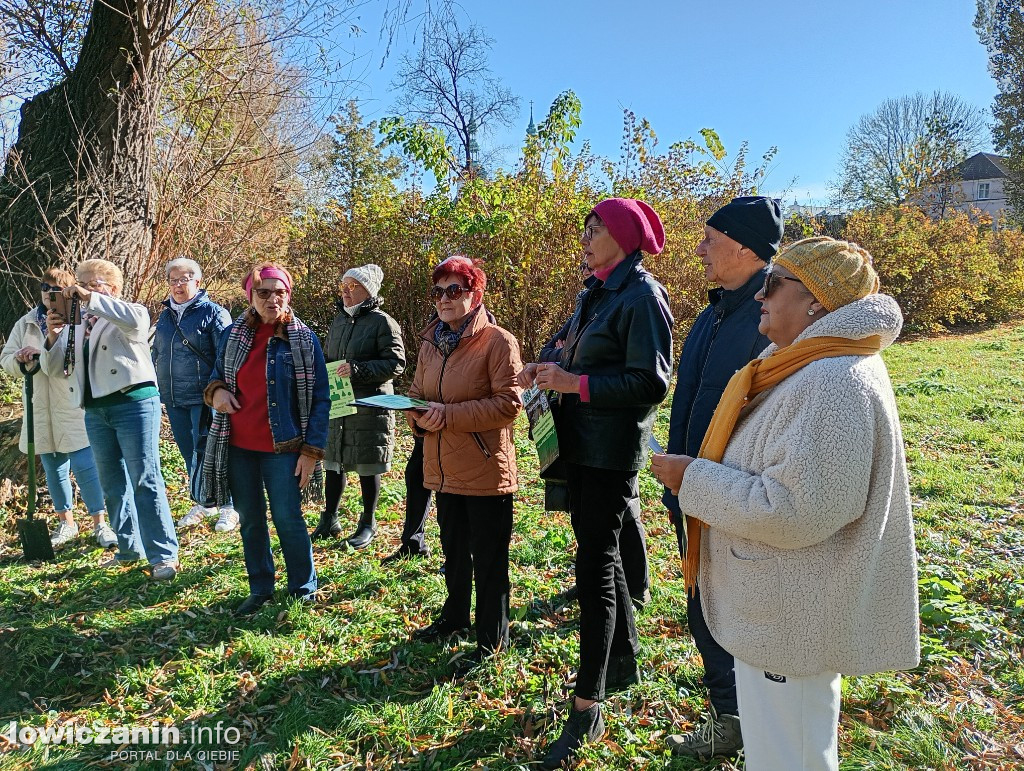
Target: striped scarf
x,y
214,485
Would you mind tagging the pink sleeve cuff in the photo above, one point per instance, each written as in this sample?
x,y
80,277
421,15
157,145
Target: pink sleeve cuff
x,y
584,388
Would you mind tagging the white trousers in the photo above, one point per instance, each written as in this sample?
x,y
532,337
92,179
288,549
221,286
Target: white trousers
x,y
788,723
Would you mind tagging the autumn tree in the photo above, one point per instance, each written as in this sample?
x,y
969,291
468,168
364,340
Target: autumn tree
x,y
905,145
152,126
1000,25
447,84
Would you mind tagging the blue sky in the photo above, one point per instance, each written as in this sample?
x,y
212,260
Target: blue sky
x,y
789,74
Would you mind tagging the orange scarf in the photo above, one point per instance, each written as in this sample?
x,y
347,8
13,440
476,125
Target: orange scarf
x,y
759,375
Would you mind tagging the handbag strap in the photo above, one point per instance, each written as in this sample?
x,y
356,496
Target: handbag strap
x,y
69,351
188,343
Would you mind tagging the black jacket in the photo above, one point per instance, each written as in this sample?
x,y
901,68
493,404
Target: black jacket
x,y
551,350
621,337
723,339
371,342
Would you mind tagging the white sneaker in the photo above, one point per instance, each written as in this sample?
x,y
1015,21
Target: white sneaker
x,y
65,532
105,536
227,521
164,571
195,516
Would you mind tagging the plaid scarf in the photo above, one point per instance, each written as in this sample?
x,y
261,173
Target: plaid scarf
x,y
214,484
447,339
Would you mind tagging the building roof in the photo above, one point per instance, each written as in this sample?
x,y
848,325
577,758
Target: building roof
x,y
982,166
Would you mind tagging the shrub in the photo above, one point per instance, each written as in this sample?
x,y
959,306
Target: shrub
x,y
1006,283
940,271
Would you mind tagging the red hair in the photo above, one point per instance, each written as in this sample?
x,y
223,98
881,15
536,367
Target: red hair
x,y
463,268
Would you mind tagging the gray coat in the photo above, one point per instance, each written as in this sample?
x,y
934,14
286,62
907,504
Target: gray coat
x,y
371,341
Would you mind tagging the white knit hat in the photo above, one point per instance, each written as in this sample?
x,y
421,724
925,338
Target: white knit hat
x,y
370,276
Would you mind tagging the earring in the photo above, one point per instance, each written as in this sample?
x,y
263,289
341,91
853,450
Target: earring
x,y
810,311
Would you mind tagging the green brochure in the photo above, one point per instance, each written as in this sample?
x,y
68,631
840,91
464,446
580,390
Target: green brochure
x,y
341,392
542,426
391,402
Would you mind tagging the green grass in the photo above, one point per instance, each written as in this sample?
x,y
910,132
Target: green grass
x,y
340,684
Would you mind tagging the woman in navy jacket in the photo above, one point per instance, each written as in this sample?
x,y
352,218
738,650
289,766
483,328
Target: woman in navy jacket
x,y
185,343
270,394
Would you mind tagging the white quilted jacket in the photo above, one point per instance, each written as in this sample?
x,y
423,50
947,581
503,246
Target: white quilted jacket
x,y
59,421
808,564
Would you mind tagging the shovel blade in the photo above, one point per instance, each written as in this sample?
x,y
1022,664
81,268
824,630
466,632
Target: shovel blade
x,y
35,539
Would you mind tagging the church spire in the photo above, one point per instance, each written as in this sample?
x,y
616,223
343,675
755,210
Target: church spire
x,y
531,130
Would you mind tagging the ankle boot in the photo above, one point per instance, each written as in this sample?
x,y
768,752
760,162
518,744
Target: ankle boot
x,y
328,527
365,531
582,726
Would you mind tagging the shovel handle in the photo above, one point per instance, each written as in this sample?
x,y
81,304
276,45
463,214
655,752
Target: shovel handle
x,y
29,372
30,431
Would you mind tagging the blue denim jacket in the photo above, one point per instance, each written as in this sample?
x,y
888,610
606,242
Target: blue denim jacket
x,y
181,374
283,396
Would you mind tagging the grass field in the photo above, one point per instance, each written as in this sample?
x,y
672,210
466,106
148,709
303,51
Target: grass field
x,y
339,684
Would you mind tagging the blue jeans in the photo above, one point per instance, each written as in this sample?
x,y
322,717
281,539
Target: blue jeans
x,y
58,481
185,422
249,473
125,441
185,428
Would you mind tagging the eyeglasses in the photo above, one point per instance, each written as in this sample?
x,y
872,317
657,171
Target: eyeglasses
x,y
588,231
50,287
180,281
454,292
96,283
264,294
351,287
771,280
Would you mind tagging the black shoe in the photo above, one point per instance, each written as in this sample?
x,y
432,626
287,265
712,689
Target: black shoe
x,y
640,600
328,527
404,552
365,531
438,630
622,673
569,596
251,604
585,725
463,666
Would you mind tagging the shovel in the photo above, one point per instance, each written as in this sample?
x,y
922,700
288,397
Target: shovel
x,y
35,538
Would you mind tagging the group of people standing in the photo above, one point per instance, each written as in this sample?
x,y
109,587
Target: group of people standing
x,y
785,476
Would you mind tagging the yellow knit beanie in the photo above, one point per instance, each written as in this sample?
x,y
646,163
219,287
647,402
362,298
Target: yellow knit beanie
x,y
835,272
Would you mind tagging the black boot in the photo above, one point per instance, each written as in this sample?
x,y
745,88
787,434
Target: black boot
x,y
622,673
328,527
582,726
365,531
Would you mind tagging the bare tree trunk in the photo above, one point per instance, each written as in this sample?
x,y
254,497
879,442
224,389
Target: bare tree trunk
x,y
77,183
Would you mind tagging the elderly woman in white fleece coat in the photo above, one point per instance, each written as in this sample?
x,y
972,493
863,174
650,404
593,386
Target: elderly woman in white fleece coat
x,y
800,508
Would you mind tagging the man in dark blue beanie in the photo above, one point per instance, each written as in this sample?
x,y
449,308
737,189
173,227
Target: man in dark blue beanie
x,y
740,240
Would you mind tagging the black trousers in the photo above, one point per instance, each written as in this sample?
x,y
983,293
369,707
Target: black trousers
x,y
417,502
598,502
719,667
633,546
475,534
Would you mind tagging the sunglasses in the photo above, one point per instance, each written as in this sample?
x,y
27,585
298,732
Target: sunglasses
x,y
454,292
50,287
771,281
266,294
